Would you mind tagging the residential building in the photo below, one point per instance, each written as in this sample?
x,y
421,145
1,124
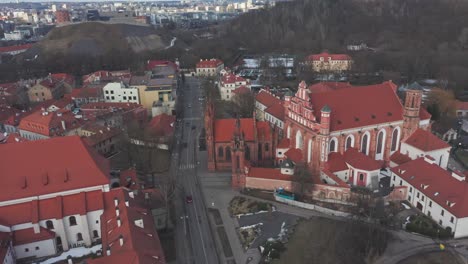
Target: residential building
x,y
104,77
423,143
462,109
270,108
209,68
42,124
62,192
230,82
119,92
113,114
87,95
53,86
105,140
62,16
326,62
437,193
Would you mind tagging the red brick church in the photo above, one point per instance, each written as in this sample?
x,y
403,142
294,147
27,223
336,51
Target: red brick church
x,y
233,142
370,119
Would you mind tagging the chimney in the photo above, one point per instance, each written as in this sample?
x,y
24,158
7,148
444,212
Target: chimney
x,y
108,251
121,241
117,211
119,222
63,125
69,259
116,201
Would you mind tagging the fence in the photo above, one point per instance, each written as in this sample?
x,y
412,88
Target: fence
x,y
311,207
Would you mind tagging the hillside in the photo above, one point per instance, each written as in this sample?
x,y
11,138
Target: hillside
x,y
98,39
420,39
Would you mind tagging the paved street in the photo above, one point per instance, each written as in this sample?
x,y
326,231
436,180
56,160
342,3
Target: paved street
x,y
194,238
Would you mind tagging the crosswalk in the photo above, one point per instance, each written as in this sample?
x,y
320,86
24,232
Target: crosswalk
x,y
186,166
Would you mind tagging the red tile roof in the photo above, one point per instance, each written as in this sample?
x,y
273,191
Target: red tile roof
x,y
11,138
276,110
284,143
50,123
241,90
65,77
231,78
352,108
325,55
27,235
162,124
268,173
294,155
266,98
328,86
15,48
441,186
59,170
337,162
224,128
426,141
462,105
424,114
399,158
212,63
140,244
86,93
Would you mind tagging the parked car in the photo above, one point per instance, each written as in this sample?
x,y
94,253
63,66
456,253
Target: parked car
x,y
189,199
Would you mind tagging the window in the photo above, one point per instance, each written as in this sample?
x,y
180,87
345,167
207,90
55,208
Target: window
x,y
417,194
112,97
112,92
422,198
79,237
442,212
220,152
107,92
380,139
410,189
349,142
37,248
428,213
72,220
430,203
107,97
401,182
26,250
395,136
267,147
393,177
49,224
361,177
37,94
125,97
333,145
95,234
97,221
365,142
452,219
134,97
228,153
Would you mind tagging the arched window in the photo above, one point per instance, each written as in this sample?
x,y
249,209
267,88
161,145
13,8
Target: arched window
x,y
247,152
380,142
220,152
333,145
289,132
228,153
49,224
72,220
349,142
79,237
365,144
299,140
95,234
395,139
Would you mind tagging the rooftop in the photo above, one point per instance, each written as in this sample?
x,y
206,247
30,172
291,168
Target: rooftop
x,y
425,141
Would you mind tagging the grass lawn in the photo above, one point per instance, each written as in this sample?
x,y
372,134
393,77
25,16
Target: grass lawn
x,y
242,205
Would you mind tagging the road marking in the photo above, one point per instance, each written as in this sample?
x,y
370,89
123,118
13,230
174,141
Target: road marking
x,y
186,166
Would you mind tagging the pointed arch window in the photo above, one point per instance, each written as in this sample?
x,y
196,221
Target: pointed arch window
x,y
228,153
395,137
365,143
220,152
380,139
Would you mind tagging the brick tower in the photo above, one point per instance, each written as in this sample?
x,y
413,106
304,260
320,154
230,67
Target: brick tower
x,y
238,158
411,112
209,120
323,137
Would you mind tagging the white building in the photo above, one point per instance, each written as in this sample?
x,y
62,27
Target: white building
x,y
423,143
230,82
120,93
437,193
54,201
210,67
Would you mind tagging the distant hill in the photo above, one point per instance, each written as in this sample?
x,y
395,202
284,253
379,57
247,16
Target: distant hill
x,y
420,39
95,39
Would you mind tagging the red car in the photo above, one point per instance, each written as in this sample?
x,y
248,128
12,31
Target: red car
x,y
188,199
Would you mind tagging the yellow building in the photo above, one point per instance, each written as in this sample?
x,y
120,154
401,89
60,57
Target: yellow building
x,y
325,62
